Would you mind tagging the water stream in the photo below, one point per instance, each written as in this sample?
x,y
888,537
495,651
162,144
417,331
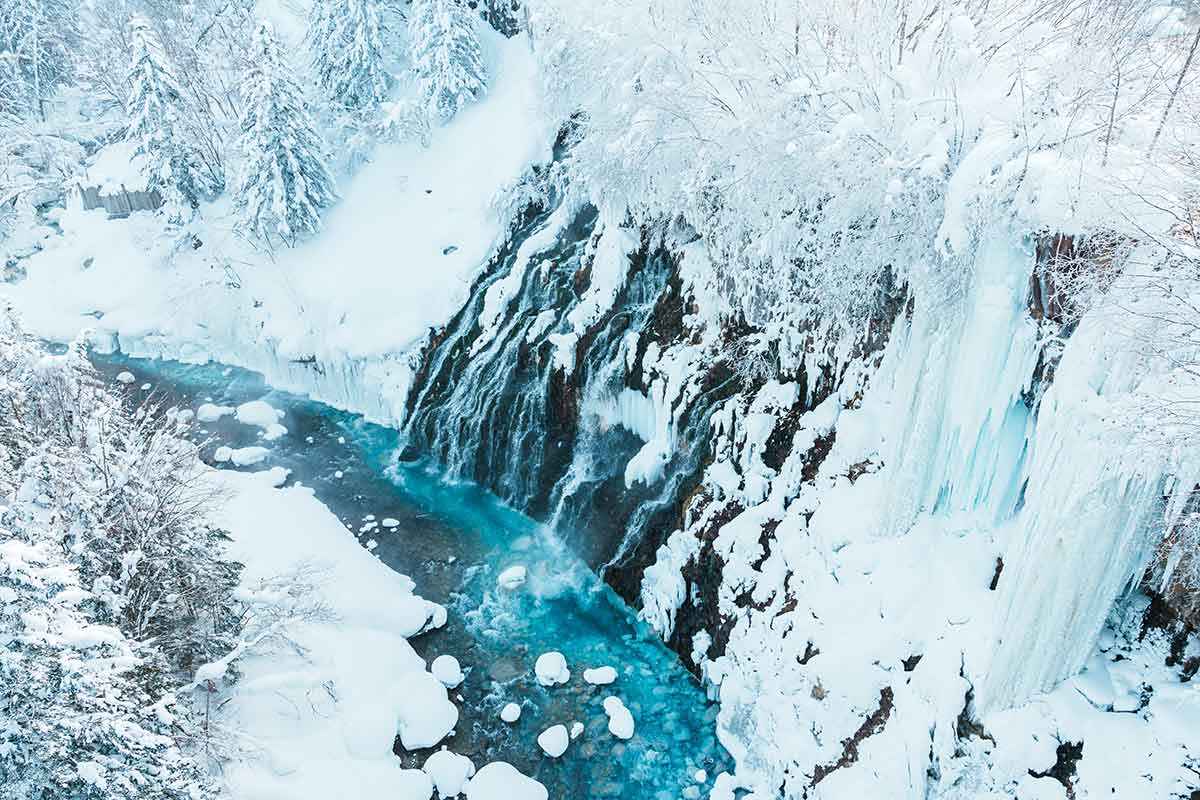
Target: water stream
x,y
453,539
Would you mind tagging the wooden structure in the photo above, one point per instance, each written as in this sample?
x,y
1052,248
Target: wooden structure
x,y
121,203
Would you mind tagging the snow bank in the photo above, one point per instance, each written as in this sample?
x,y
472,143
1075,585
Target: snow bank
x,y
326,720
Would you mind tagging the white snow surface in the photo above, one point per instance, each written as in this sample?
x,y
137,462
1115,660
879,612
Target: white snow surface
x,y
248,456
325,721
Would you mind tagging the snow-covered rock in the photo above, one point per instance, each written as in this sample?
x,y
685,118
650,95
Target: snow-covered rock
x,y
449,772
620,720
447,670
551,669
125,378
247,456
412,784
210,412
600,676
263,415
554,740
500,780
275,476
512,578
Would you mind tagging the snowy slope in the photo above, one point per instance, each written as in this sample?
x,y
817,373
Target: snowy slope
x,y
322,719
396,257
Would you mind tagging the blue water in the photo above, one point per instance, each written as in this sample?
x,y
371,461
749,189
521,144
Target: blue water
x,y
453,540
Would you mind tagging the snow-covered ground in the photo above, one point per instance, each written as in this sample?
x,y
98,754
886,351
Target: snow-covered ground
x,y
396,257
317,719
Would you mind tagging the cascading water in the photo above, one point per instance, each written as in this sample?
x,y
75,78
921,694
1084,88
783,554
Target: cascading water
x,y
537,390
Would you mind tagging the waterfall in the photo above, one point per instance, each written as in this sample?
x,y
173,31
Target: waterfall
x,y
537,388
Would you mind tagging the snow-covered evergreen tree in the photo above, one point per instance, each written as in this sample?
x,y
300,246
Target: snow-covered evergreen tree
x,y
153,108
446,55
345,44
284,181
36,42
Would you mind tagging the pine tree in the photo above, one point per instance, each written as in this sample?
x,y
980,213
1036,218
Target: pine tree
x,y
446,56
284,181
36,42
153,107
345,43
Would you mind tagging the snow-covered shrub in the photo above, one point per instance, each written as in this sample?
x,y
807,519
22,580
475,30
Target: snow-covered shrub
x,y
112,585
139,530
76,723
405,121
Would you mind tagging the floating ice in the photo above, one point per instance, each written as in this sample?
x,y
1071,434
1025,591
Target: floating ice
x,y
512,577
551,669
449,771
576,730
620,721
446,669
553,740
391,522
145,387
510,713
600,676
222,454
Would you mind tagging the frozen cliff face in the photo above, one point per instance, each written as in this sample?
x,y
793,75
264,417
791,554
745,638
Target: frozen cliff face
x,y
942,539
